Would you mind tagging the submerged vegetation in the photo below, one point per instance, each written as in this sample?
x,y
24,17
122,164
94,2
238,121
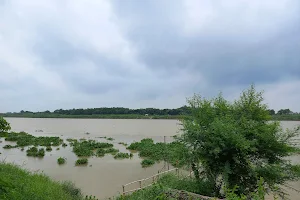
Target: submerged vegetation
x,y
123,155
87,148
35,152
81,161
171,152
61,160
147,163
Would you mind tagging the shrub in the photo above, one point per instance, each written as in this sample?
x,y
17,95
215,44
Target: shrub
x,y
82,161
236,144
64,145
61,160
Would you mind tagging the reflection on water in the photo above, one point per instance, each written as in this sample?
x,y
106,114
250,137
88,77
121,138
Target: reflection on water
x,y
103,177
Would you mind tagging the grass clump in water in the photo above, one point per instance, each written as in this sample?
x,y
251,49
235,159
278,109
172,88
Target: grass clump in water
x,y
123,155
61,160
122,143
48,148
147,163
16,183
170,152
81,161
35,152
8,146
87,148
24,139
110,138
64,145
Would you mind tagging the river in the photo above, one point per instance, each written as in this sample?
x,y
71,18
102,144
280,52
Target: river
x,y
103,177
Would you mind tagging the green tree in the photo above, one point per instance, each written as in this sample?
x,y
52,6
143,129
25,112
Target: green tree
x,y
4,125
272,112
284,112
235,144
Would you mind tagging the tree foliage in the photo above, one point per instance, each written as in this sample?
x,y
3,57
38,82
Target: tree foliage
x,y
234,143
4,125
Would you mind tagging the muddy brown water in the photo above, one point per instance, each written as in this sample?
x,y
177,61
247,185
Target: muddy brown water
x,y
103,177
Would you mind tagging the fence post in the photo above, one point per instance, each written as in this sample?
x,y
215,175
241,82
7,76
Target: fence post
x,y
177,171
140,184
153,179
123,189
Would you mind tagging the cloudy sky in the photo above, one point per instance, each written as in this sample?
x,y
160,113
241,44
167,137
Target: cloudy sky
x,y
146,53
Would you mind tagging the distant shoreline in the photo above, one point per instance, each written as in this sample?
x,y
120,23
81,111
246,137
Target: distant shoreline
x,y
122,116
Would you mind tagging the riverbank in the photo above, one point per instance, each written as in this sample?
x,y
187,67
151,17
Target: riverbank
x,y
295,117
60,116
17,183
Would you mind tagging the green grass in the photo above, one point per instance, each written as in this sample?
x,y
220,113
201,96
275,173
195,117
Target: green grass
x,y
48,148
171,152
8,146
123,155
147,163
87,148
61,160
81,161
110,138
122,143
35,152
19,184
24,139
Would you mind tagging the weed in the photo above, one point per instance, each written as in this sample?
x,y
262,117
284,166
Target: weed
x,y
35,152
64,145
147,163
123,143
122,155
61,160
48,148
57,148
111,139
82,161
86,148
8,146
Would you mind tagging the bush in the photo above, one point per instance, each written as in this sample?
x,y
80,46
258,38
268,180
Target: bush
x,y
61,160
64,145
235,143
4,125
147,163
87,148
82,161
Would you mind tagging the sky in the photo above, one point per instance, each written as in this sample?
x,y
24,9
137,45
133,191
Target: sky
x,y
146,53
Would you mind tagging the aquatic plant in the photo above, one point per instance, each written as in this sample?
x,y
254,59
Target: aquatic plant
x,y
122,155
147,163
35,152
110,138
100,152
61,160
81,161
87,148
48,148
8,146
122,143
57,148
64,145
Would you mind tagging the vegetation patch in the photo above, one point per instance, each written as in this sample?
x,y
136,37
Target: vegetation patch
x,y
122,143
87,148
64,145
16,183
61,160
48,148
170,152
123,155
35,152
8,146
147,163
82,161
110,138
24,139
